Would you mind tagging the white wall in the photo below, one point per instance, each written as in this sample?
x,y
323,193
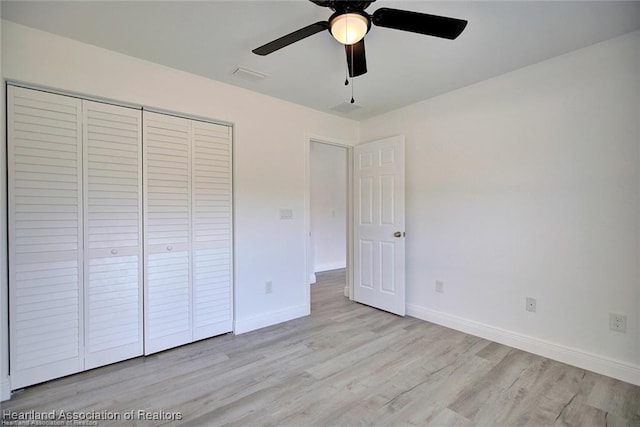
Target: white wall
x,y
524,185
270,152
528,184
329,206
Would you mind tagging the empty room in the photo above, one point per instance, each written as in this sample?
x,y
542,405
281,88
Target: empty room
x,y
320,212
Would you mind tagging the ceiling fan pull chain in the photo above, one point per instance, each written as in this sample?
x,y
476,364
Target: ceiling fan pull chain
x,y
352,100
352,73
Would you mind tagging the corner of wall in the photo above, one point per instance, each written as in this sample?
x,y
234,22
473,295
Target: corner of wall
x,y
252,323
328,266
592,362
5,389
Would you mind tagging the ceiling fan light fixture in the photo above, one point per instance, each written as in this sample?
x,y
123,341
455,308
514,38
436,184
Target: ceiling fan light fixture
x,y
349,28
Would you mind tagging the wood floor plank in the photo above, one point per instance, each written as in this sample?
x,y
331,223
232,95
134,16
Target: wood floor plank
x,y
345,365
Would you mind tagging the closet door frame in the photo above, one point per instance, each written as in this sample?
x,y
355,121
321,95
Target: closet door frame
x,y
80,364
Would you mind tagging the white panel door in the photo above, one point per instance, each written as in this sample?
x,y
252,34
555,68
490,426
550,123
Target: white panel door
x,y
167,230
379,245
45,235
212,228
113,233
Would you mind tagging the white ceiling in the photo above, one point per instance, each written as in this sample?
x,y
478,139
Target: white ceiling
x,y
212,38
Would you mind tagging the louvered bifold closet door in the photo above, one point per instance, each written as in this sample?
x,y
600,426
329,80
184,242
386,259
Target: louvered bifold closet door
x,y
45,235
167,183
113,233
212,229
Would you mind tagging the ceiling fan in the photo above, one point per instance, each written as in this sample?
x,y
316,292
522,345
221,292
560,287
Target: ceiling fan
x,y
350,23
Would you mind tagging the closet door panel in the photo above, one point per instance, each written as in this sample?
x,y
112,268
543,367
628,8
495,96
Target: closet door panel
x,y
212,229
113,233
167,183
45,235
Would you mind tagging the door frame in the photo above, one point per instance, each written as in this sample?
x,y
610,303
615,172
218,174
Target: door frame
x,y
309,264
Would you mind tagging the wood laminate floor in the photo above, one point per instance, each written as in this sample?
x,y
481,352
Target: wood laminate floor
x,y
346,364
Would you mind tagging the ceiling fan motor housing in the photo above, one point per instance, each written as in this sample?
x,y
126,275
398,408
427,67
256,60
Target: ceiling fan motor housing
x,y
344,5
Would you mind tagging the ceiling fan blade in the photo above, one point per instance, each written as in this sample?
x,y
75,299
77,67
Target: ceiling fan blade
x,y
291,38
356,59
422,23
323,3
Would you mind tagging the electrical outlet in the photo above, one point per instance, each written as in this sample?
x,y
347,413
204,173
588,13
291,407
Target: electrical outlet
x,y
617,322
531,304
439,286
268,287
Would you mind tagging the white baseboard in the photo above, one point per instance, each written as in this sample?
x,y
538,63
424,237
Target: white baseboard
x,y
346,291
330,266
268,319
312,278
5,389
602,365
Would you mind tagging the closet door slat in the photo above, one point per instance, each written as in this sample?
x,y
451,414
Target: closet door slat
x,y
113,233
167,183
211,230
45,235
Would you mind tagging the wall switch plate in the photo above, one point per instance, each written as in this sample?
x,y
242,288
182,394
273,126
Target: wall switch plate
x,y
617,322
439,286
531,304
286,213
268,287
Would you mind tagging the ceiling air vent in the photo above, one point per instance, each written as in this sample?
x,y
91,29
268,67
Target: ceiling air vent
x,y
346,108
249,75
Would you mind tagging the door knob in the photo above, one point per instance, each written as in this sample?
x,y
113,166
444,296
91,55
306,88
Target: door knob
x,y
397,234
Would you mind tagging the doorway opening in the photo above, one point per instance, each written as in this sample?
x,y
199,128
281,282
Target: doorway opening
x,y
329,213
